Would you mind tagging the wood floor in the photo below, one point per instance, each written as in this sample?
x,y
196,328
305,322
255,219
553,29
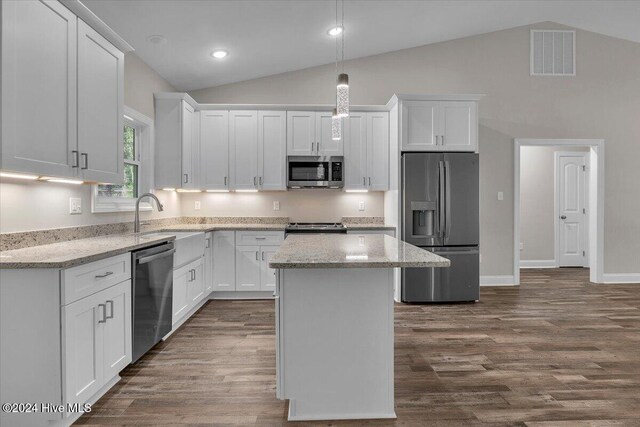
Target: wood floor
x,y
556,351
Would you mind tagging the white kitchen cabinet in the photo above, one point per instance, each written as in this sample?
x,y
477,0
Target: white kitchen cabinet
x,y
267,275
100,107
208,263
214,150
301,133
272,150
243,143
248,268
439,125
366,142
181,277
325,145
195,286
117,329
224,261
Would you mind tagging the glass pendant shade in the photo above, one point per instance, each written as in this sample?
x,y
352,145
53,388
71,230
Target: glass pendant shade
x,y
336,126
342,99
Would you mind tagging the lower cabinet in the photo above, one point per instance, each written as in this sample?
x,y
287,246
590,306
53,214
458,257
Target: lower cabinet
x,y
208,263
248,268
224,261
96,341
188,288
267,275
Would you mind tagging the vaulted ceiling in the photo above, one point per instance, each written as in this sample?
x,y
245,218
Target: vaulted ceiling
x,y
271,37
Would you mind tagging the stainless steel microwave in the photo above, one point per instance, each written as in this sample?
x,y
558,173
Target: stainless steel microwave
x,y
315,171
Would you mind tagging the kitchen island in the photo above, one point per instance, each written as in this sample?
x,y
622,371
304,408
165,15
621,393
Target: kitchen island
x,y
334,323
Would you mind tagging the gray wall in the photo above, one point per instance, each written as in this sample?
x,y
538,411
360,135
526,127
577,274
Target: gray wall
x,y
537,198
602,101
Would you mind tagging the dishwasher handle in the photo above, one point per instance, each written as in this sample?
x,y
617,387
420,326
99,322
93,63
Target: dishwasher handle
x,y
150,258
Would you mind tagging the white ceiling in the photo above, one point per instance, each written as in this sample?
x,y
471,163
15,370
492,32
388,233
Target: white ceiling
x,y
271,37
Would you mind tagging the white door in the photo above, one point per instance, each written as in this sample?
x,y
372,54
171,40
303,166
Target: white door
x,y
301,132
83,347
267,275
100,107
458,129
354,134
117,329
378,151
180,302
214,150
243,142
247,268
272,150
39,42
224,261
325,145
195,287
419,125
571,178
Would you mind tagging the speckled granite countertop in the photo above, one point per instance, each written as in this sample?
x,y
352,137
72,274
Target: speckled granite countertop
x,y
76,252
351,251
365,226
229,226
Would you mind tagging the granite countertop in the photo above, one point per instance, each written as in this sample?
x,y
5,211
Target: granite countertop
x,y
351,251
223,226
369,226
75,252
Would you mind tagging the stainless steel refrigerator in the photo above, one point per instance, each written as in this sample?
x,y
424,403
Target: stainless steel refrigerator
x,y
440,213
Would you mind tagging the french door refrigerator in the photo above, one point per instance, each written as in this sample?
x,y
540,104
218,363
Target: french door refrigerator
x,y
440,214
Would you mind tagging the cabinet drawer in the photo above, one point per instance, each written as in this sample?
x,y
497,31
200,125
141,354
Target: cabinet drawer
x,y
84,280
253,238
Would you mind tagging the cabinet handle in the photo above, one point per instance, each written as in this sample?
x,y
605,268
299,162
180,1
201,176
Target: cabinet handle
x,y
85,156
261,238
369,181
194,274
256,255
186,178
207,243
110,303
312,149
263,256
225,181
364,181
75,159
260,181
317,148
254,181
104,313
100,276
442,140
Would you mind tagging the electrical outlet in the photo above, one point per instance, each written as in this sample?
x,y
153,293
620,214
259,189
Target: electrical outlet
x,y
197,205
276,205
361,205
521,246
500,195
75,205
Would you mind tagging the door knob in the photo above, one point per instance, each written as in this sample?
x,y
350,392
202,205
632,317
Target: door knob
x,y
563,217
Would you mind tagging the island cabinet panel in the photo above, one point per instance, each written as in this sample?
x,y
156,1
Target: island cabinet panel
x,y
248,268
224,261
214,150
267,275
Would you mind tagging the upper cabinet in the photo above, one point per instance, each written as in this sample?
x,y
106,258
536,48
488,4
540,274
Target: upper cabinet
x,y
272,150
214,149
61,74
366,146
439,125
309,134
243,140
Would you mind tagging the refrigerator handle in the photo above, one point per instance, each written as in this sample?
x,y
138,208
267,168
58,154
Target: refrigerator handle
x,y
441,201
447,179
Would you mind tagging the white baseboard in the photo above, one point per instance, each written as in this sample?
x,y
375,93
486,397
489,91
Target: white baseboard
x,y
241,295
538,263
621,278
505,280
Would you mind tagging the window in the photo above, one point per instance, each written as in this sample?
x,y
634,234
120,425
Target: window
x,y
137,166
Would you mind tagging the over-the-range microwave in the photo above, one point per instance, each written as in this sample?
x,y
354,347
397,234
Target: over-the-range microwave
x,y
315,171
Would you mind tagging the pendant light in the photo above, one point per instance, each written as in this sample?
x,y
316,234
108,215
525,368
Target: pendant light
x,y
336,125
342,86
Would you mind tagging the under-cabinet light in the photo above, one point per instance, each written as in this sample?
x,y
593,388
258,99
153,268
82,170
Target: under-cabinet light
x,y
168,189
356,191
62,180
182,190
217,191
18,175
246,191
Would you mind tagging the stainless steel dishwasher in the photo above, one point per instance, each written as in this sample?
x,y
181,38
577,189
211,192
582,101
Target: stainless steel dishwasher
x,y
152,296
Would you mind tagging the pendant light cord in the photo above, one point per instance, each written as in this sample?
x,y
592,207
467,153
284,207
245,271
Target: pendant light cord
x,y
337,39
342,24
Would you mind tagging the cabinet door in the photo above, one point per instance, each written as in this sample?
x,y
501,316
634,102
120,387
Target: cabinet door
x,y
354,134
208,263
458,125
272,150
187,122
325,145
195,286
117,329
100,107
419,125
83,347
247,268
224,261
214,150
243,142
267,275
38,88
180,296
378,151
301,133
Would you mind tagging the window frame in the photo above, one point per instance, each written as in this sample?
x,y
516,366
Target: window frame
x,y
143,159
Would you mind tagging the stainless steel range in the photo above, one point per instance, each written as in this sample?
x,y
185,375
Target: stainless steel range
x,y
315,227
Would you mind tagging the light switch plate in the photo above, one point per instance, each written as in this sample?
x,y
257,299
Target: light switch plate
x,y
75,205
361,205
500,195
276,205
197,205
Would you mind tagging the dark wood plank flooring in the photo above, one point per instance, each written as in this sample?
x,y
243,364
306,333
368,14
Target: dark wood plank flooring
x,y
556,351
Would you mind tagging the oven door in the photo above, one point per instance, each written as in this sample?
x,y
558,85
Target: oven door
x,y
305,172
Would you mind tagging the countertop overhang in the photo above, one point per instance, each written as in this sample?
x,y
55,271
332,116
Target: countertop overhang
x,y
351,251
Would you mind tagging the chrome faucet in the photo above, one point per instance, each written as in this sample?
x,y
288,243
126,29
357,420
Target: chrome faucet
x,y
136,220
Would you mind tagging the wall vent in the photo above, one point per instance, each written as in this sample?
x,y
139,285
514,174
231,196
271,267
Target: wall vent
x,y
553,53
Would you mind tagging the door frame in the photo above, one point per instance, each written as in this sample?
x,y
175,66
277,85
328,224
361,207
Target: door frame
x,y
556,203
596,201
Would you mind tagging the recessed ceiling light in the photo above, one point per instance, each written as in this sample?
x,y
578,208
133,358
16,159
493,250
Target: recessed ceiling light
x,y
157,39
219,54
335,31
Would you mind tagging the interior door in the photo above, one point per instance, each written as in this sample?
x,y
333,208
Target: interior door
x,y
243,142
247,268
378,151
301,132
325,144
571,211
354,134
100,107
117,329
214,150
267,275
419,125
462,199
272,150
